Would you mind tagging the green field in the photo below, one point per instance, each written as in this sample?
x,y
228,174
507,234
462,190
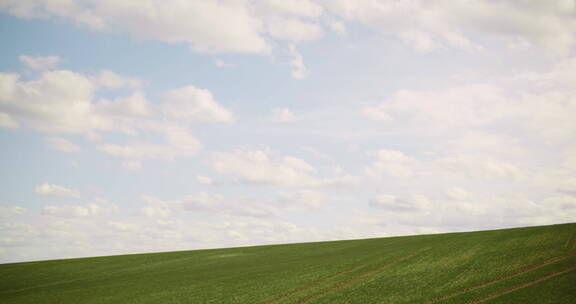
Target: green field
x,y
522,265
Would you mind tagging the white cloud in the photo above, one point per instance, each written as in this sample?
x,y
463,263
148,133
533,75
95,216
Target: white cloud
x,y
293,20
299,70
208,26
457,193
217,205
392,163
478,167
540,109
204,180
419,40
132,165
474,142
469,105
135,105
156,211
376,113
299,8
193,104
40,63
261,167
7,121
568,186
202,201
109,79
412,203
12,211
79,211
56,190
283,115
249,26
61,144
562,206
428,25
309,199
389,164
179,143
60,101
405,213
222,64
338,27
294,29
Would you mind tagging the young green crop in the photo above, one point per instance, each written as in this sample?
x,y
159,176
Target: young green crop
x,y
521,265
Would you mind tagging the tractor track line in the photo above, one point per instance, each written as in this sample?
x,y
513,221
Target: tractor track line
x,y
313,284
523,285
500,279
344,283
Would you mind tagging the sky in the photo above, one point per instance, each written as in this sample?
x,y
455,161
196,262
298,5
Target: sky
x,y
148,126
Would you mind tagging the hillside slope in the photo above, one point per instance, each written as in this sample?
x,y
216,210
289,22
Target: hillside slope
x,y
522,265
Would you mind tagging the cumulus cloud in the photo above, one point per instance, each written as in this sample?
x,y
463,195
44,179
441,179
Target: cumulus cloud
x,y
156,211
215,204
56,190
79,211
337,27
62,101
12,211
470,105
41,62
478,167
392,163
430,25
299,70
294,29
293,8
193,104
376,113
412,203
457,193
244,26
542,109
388,164
109,79
180,143
124,109
211,203
309,199
206,25
405,214
7,121
204,180
262,167
61,144
59,101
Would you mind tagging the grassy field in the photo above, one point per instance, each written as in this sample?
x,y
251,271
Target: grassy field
x,y
522,265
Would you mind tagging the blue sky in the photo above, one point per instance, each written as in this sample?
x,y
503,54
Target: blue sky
x,y
140,126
